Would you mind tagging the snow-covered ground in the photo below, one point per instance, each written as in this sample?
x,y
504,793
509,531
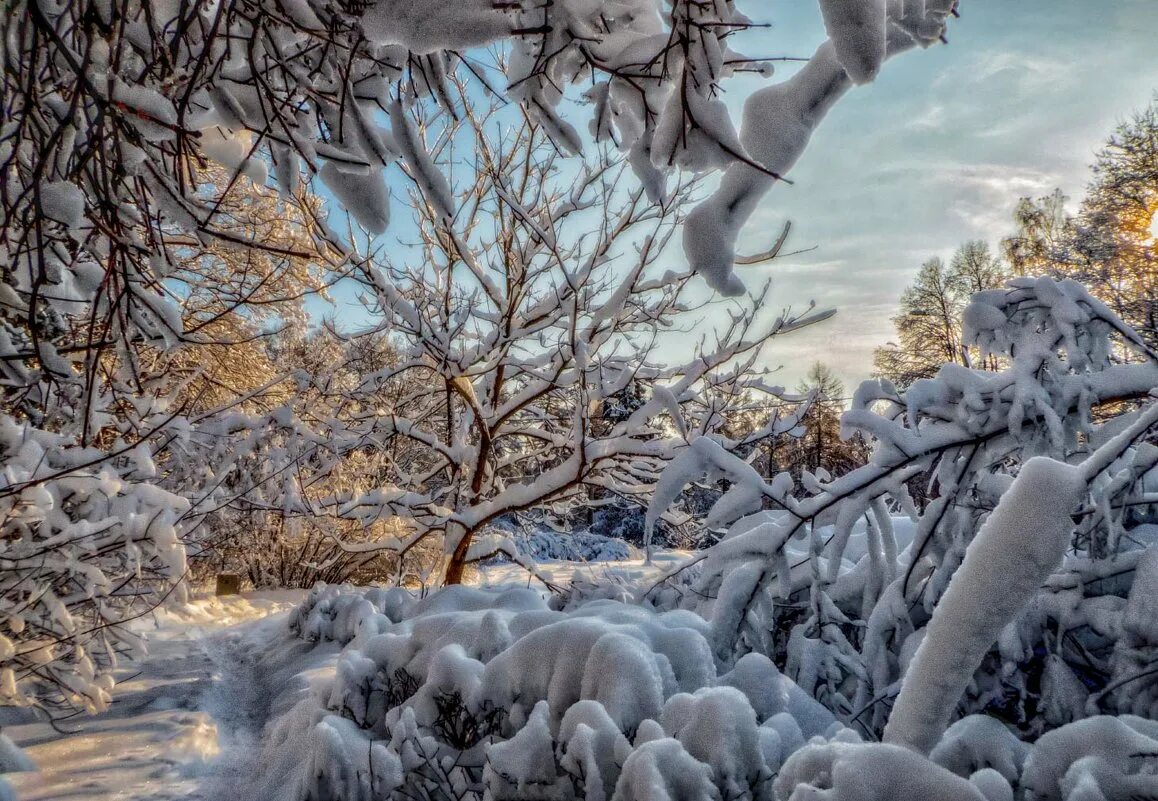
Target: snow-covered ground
x,y
187,722
180,722
562,573
497,692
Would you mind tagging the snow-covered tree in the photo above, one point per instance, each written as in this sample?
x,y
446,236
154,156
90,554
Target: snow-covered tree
x,y
111,111
111,115
928,323
1113,248
251,530
112,461
1042,227
1109,243
863,582
519,324
87,543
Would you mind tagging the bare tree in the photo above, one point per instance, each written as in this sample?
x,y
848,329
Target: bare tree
x,y
520,323
930,318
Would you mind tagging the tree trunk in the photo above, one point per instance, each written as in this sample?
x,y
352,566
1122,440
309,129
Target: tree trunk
x,y
456,567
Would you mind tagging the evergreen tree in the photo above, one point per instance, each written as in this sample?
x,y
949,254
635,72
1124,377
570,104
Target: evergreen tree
x,y
819,448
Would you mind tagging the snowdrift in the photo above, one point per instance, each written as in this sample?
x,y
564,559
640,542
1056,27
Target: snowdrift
x,y
490,693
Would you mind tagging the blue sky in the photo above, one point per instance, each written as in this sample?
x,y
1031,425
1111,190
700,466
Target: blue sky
x,y
938,150
935,152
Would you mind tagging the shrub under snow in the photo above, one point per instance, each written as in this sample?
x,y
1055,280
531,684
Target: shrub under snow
x,y
544,544
472,692
841,586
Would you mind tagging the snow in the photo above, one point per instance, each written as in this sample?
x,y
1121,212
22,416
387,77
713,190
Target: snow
x,y
1018,546
978,742
593,746
900,624
619,577
992,785
839,771
427,26
777,124
737,673
605,701
1101,747
655,678
661,770
233,151
63,202
528,758
547,545
364,195
772,694
1134,653
717,726
12,759
234,703
174,719
857,29
97,530
432,183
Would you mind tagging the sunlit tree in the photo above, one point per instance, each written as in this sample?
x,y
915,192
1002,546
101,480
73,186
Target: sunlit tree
x,y
928,323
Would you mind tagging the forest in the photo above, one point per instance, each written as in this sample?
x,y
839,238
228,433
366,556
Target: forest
x,y
390,412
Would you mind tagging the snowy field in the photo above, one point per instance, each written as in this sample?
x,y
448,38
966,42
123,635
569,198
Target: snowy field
x,y
187,723
504,690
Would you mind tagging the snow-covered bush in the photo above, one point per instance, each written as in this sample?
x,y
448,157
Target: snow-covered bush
x,y
115,116
83,548
471,692
577,546
620,521
476,694
839,586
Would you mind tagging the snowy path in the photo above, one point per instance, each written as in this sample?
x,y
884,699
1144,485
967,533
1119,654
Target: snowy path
x,y
187,723
185,726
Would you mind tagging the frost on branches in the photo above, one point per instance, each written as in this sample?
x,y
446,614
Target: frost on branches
x,y
117,116
987,638
525,375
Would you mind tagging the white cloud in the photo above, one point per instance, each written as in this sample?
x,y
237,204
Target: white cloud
x,y
982,196
934,118
1017,72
